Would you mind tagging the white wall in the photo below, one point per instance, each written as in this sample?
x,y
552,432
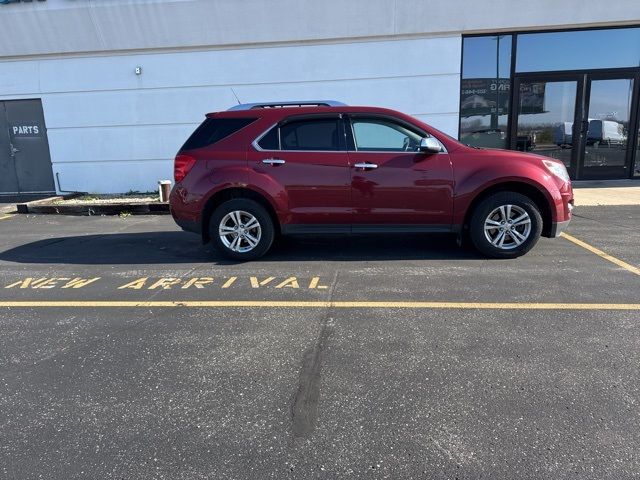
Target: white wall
x,y
112,131
70,26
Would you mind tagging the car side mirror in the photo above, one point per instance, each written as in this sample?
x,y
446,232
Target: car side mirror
x,y
430,145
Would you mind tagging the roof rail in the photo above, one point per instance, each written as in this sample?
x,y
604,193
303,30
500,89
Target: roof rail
x,y
295,103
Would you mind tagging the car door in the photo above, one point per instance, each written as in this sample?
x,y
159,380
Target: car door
x,y
304,162
392,182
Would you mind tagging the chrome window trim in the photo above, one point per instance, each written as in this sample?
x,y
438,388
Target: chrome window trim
x,y
258,148
397,151
255,145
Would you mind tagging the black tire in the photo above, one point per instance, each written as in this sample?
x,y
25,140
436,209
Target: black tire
x,y
250,207
511,249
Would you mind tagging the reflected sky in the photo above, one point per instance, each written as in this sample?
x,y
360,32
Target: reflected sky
x,y
481,55
578,50
610,100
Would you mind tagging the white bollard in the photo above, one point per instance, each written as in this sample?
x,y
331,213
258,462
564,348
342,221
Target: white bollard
x,y
164,188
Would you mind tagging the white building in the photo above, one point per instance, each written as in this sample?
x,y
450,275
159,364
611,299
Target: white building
x,y
122,83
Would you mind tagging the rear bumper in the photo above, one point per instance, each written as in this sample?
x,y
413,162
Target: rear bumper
x,y
557,228
185,215
188,226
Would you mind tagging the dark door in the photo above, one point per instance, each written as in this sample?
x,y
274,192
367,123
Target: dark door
x,y
25,148
584,120
392,182
305,161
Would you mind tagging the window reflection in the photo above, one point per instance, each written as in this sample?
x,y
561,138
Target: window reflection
x,y
545,121
484,95
609,111
478,131
578,50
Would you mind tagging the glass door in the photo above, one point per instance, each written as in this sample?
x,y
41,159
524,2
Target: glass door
x,y
586,120
547,117
608,109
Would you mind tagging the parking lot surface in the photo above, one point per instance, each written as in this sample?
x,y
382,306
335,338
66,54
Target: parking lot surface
x,y
129,350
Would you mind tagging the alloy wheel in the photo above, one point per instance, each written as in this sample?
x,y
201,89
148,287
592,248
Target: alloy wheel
x,y
507,227
240,231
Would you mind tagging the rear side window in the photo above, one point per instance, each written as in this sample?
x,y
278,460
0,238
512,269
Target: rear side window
x,y
320,134
270,140
213,130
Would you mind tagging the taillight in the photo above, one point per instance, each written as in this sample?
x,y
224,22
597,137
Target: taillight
x,y
182,165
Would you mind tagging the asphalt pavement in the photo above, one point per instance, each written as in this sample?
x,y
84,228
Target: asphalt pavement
x,y
130,350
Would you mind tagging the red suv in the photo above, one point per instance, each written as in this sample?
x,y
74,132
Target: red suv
x,y
259,170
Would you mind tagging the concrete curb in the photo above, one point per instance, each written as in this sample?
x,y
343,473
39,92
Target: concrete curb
x,y
11,209
25,206
46,206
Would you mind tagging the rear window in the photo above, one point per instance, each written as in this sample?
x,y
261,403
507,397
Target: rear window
x,y
213,130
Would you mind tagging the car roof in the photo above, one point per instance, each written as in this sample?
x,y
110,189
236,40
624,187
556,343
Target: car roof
x,y
279,112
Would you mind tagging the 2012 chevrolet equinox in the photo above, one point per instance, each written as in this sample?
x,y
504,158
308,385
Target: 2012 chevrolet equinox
x,y
258,170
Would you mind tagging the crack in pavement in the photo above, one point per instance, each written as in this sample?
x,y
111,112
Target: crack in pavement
x,y
304,407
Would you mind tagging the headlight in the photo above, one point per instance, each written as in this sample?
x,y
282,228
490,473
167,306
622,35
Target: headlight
x,y
558,169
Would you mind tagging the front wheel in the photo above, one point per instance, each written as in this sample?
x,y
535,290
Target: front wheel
x,y
505,225
241,229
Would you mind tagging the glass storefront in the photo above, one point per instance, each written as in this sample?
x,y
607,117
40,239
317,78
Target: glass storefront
x,y
570,95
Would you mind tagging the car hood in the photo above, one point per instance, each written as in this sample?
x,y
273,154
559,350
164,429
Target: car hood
x,y
512,155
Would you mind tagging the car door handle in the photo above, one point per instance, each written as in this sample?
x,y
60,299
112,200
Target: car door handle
x,y
273,161
366,166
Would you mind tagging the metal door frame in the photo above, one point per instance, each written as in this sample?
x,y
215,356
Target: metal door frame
x,y
3,113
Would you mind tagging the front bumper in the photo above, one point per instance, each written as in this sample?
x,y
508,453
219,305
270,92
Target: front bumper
x,y
567,210
557,228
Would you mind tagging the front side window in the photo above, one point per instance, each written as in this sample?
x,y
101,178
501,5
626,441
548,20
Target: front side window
x,y
382,135
318,134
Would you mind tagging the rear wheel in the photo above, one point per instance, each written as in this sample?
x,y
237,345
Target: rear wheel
x,y
241,229
505,225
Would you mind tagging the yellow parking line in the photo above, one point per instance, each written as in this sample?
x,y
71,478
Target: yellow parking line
x,y
320,304
6,217
602,254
